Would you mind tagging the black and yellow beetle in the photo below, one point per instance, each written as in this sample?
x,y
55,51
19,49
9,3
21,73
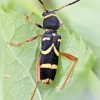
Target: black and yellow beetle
x,y
48,58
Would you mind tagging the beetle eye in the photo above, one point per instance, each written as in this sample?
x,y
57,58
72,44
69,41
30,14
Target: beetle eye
x,y
44,14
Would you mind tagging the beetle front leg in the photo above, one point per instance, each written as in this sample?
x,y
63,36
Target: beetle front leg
x,y
38,25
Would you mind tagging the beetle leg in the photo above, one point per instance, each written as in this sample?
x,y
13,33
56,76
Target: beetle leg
x,y
37,77
72,68
38,25
61,23
28,40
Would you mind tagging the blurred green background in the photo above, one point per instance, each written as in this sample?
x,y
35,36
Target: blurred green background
x,y
82,18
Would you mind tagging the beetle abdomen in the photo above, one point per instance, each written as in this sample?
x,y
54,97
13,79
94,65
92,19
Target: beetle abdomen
x,y
49,56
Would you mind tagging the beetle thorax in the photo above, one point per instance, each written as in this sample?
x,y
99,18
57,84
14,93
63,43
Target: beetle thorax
x,y
50,21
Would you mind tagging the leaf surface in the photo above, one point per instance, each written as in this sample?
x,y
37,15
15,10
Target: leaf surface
x,y
20,62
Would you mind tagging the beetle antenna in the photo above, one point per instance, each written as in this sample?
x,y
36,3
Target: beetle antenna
x,y
43,5
66,5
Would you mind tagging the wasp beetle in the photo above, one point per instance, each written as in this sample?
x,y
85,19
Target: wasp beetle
x,y
48,58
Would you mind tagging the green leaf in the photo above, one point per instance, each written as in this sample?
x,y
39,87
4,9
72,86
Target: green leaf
x,y
1,58
20,62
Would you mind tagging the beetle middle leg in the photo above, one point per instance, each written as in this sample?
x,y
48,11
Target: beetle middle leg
x,y
28,40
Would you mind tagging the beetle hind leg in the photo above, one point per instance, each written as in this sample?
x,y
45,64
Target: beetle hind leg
x,y
72,68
